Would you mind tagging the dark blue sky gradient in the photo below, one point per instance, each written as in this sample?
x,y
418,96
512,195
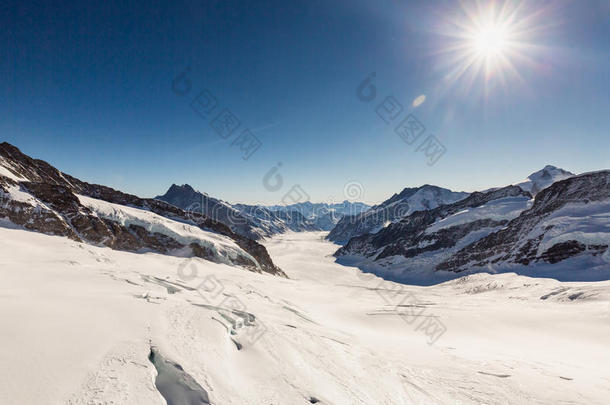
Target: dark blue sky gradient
x,y
87,86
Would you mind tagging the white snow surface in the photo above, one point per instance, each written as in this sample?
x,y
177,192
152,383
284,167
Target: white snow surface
x,y
501,209
586,223
223,246
78,323
7,173
425,198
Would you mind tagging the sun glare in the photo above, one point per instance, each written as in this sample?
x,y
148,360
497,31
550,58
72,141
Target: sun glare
x,y
489,41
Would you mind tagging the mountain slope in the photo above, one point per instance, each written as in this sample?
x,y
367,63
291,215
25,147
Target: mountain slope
x,y
190,200
395,208
494,230
38,197
424,238
569,218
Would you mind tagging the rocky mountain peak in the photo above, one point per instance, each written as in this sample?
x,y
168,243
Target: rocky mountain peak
x,y
184,189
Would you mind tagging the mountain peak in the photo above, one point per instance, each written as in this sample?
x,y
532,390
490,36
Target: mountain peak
x,y
543,178
184,187
549,170
12,149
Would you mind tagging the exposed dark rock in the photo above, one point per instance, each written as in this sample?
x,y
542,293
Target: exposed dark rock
x,y
562,251
442,239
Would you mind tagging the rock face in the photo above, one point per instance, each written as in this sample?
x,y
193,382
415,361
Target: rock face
x,y
392,210
37,196
568,218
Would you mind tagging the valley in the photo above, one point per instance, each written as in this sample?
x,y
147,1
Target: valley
x,y
81,322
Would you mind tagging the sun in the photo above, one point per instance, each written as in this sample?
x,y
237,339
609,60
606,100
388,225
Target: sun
x,y
489,41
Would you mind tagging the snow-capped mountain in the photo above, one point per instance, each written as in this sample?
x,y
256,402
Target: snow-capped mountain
x,y
569,218
424,238
497,228
36,196
394,209
541,179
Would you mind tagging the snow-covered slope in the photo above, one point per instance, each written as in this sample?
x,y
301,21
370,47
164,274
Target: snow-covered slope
x,y
80,321
223,248
394,209
426,198
495,227
422,240
36,196
569,218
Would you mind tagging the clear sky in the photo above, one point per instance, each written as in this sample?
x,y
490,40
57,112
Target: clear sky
x,y
87,86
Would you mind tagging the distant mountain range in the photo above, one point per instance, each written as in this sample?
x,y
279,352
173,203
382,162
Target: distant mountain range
x,y
324,216
256,221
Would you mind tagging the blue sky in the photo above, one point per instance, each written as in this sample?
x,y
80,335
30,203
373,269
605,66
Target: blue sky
x,y
88,87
